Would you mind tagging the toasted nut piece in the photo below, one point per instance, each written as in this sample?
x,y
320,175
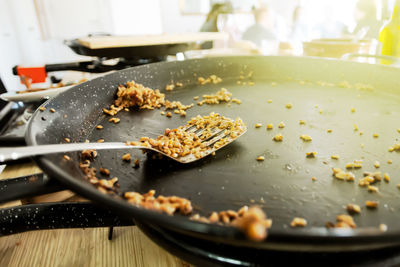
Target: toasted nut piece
x,y
169,87
104,171
196,97
260,158
100,141
298,222
278,137
377,164
329,130
398,130
281,124
126,157
389,161
353,208
178,84
270,126
314,178
289,105
355,127
345,221
371,204
320,111
114,120
334,157
66,139
305,138
302,122
99,127
169,114
237,101
375,135
353,110
398,186
258,125
52,110
269,100
136,163
66,157
42,108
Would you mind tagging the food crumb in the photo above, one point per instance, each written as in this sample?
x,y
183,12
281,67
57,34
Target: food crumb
x,y
136,163
298,222
104,171
302,122
373,189
114,120
237,101
361,132
353,110
389,161
66,139
375,135
42,108
305,138
258,125
66,157
196,97
345,221
269,100
311,154
315,106
383,227
260,158
270,126
169,114
126,157
169,87
355,127
278,137
371,204
334,157
289,105
377,164
100,141
321,111
353,208
178,84
329,130
162,112
386,177
314,178
281,125
99,127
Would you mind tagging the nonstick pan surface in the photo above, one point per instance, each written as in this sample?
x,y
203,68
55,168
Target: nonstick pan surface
x,y
282,184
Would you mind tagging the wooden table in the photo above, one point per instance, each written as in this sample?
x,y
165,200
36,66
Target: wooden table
x,y
77,247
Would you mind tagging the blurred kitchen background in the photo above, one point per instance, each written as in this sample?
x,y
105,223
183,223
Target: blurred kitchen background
x,y
32,32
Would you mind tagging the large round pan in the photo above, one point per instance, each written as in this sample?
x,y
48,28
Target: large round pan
x,y
282,185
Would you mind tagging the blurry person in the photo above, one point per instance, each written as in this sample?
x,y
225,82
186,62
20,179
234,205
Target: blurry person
x,y
263,29
211,23
366,18
300,28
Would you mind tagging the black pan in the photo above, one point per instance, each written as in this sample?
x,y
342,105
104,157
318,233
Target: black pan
x,y
282,184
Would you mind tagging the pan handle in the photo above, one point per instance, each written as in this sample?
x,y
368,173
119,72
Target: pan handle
x,y
28,186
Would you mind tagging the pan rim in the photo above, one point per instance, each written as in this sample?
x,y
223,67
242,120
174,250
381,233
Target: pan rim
x,y
229,235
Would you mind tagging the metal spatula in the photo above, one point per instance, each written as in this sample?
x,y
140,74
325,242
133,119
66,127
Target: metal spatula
x,y
217,134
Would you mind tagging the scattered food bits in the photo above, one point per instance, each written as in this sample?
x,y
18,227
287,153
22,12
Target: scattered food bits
x,y
389,161
373,189
353,110
212,79
258,125
334,157
176,111
345,221
383,227
371,204
52,110
354,165
278,137
114,120
260,158
395,147
178,84
281,125
386,177
311,154
270,126
342,175
298,222
269,100
314,178
377,164
169,87
222,95
237,101
100,141
99,127
289,105
169,114
104,171
302,122
329,130
66,157
355,127
42,108
353,208
375,135
126,157
136,163
66,139
305,138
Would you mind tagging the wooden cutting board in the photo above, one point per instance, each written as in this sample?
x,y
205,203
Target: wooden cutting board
x,y
98,42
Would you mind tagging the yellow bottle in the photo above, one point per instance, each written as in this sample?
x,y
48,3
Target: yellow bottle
x,y
389,36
